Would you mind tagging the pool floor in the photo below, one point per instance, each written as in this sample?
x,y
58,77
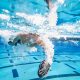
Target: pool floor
x,y
25,67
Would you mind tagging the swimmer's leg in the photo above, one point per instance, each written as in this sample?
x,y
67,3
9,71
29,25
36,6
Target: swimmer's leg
x,y
49,52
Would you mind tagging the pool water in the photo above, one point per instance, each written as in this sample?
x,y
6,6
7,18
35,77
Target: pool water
x,y
14,66
17,65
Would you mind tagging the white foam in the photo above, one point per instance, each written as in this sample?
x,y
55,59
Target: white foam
x,y
35,19
61,1
5,10
72,28
6,34
53,17
4,17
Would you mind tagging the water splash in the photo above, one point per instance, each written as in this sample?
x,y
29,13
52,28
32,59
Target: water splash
x,y
4,17
44,25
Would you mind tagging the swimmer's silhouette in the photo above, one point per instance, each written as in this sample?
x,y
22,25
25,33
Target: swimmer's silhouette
x,y
33,39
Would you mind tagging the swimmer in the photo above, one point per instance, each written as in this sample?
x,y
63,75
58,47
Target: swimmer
x,y
32,40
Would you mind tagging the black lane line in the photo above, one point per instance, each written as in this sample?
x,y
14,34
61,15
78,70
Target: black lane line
x,y
68,60
57,76
37,62
18,65
15,73
35,58
68,57
11,61
69,66
76,72
56,61
20,56
9,54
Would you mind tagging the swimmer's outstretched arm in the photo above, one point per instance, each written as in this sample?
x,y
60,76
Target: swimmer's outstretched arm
x,y
48,48
49,53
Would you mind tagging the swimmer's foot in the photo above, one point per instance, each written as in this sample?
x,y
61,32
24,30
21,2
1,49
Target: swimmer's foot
x,y
43,68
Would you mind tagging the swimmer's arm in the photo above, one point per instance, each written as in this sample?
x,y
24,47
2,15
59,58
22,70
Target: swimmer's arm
x,y
41,43
48,49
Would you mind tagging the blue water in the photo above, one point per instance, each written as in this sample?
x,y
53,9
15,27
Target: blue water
x,y
66,62
65,65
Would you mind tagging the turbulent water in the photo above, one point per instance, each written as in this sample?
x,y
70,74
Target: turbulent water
x,y
16,21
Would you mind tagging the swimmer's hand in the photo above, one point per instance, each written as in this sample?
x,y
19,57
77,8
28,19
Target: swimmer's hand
x,y
43,68
12,44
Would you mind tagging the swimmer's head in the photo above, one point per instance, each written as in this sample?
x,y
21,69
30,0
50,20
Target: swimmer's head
x,y
14,41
